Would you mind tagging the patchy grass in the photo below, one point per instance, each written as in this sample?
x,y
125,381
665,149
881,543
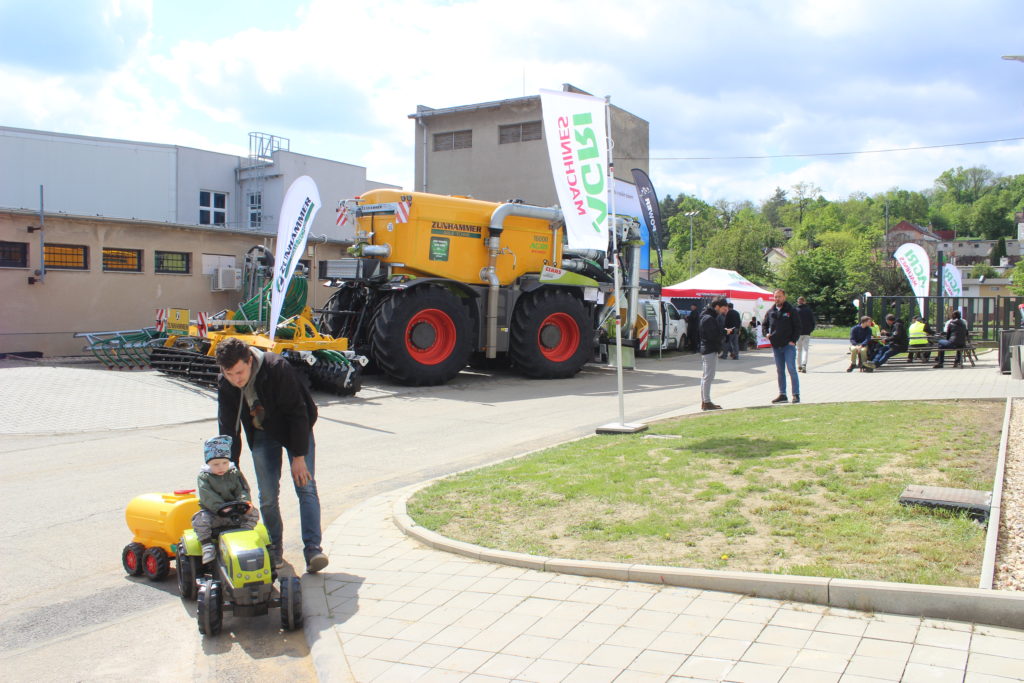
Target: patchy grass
x,y
808,489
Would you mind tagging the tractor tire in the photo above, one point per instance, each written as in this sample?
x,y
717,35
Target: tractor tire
x,y
155,564
131,558
291,603
550,335
187,568
329,376
421,336
210,608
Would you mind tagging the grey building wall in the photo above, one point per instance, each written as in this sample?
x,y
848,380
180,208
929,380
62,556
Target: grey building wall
x,y
496,172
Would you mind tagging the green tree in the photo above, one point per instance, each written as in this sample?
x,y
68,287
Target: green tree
x,y
998,252
983,270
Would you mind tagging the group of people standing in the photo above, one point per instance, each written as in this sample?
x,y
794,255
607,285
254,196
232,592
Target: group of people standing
x,y
788,328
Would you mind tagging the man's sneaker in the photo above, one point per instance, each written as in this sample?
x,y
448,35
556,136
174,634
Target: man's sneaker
x,y
796,398
850,369
316,562
708,405
209,553
803,368
781,398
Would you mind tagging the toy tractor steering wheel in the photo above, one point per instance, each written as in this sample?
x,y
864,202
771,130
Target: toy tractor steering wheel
x,y
235,508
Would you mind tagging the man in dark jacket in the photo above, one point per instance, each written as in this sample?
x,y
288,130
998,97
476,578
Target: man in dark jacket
x,y
956,338
711,333
782,327
732,324
263,393
807,325
895,340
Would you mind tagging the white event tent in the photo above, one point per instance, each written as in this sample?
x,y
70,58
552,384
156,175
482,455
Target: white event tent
x,y
749,299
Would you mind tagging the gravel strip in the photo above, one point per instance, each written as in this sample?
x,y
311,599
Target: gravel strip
x,y
1009,564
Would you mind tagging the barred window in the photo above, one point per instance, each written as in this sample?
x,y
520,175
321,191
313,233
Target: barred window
x,y
177,262
66,256
13,255
213,208
122,260
458,139
519,132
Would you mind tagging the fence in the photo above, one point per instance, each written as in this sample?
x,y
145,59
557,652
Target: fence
x,y
986,316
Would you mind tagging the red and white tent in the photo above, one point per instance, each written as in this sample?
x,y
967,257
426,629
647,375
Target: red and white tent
x,y
717,282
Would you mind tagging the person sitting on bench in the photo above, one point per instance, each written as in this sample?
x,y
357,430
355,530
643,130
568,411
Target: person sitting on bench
x,y
956,338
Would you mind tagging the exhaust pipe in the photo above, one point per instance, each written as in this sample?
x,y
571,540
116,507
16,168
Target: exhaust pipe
x,y
490,273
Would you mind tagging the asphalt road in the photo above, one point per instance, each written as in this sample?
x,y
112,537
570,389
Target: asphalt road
x,y
70,613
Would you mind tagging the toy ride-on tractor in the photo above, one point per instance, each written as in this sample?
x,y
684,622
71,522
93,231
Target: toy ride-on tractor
x,y
240,579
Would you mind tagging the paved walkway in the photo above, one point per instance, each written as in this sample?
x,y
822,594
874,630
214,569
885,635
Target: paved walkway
x,y
393,609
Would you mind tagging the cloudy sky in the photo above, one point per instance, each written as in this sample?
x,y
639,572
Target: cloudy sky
x,y
715,79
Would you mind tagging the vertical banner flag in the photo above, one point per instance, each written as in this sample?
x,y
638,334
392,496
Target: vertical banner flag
x,y
913,259
652,212
298,209
952,284
574,126
627,203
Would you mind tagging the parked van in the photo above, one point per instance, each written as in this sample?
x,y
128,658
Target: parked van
x,y
666,326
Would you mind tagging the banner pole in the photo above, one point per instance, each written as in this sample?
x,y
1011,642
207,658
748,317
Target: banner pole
x,y
620,427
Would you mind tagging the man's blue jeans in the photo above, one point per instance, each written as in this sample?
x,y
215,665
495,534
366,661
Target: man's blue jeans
x,y
267,459
785,359
885,353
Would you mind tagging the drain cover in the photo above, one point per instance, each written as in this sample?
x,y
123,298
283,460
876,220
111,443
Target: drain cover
x,y
977,503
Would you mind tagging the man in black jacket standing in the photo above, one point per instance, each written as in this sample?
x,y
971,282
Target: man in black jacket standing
x,y
711,334
782,327
732,339
807,325
263,393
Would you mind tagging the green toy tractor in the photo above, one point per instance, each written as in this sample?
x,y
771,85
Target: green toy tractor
x,y
241,578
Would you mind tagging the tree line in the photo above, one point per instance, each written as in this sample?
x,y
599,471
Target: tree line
x,y
836,249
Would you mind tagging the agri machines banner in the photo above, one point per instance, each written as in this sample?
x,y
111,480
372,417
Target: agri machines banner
x,y
574,126
914,261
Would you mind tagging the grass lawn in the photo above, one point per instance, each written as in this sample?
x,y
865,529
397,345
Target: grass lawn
x,y
807,489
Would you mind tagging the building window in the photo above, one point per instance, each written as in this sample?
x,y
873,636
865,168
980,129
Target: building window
x,y
213,208
458,139
122,260
13,255
255,209
519,132
66,256
175,262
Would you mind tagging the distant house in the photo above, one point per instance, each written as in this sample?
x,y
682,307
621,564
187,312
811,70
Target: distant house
x,y
775,257
905,231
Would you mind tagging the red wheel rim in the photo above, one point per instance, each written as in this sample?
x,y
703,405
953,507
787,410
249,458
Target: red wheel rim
x,y
150,564
563,337
430,336
132,560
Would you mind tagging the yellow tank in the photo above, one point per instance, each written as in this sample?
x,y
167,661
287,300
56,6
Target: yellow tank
x,y
445,236
159,519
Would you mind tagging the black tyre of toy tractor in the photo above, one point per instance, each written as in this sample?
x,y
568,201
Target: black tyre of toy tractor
x,y
131,558
210,608
187,568
550,335
155,564
291,603
421,336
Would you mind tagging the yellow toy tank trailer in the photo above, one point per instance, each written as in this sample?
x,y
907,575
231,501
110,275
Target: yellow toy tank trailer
x,y
439,282
157,521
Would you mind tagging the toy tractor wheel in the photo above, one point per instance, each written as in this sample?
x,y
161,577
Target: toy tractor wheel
x,y
421,336
550,335
209,608
188,569
155,564
291,603
131,558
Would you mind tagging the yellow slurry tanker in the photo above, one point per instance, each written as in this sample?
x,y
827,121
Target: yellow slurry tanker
x,y
438,282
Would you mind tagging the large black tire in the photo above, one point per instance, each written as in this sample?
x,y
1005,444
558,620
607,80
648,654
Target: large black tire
x,y
187,568
330,376
551,335
421,336
210,608
131,558
291,603
155,564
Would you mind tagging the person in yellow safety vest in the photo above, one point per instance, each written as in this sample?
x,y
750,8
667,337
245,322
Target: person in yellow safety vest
x,y
918,332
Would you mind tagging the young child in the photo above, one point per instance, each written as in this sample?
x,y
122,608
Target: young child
x,y
219,482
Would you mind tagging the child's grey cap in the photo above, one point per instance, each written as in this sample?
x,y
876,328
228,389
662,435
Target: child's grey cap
x,y
217,447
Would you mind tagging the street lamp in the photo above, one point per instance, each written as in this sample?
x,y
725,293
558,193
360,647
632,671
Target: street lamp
x,y
691,214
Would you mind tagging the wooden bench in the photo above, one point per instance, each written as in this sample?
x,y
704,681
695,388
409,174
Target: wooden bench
x,y
970,352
